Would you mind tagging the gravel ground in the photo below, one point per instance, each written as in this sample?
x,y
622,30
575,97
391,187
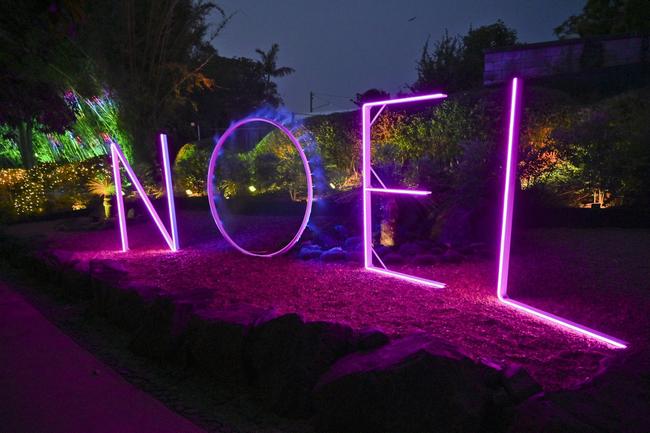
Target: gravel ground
x,y
593,276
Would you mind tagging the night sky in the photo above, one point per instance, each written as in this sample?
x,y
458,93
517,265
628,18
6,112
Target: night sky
x,y
342,47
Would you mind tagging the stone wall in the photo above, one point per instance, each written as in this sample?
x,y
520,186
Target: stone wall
x,y
562,57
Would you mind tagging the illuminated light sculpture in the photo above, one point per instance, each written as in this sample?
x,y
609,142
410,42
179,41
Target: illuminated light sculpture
x,y
368,189
118,157
211,189
506,231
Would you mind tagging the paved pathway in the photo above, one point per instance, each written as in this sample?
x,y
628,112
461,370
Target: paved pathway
x,y
49,384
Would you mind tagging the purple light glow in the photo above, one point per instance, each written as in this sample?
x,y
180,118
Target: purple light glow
x,y
506,231
406,100
211,189
399,191
367,171
117,156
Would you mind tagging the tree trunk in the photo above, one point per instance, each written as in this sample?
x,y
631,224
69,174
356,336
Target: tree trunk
x,y
25,144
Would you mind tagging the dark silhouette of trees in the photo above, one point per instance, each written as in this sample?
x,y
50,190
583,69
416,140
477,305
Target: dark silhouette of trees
x,y
269,61
456,63
370,95
607,17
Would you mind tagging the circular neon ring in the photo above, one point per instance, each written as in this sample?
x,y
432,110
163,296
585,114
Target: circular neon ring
x,y
211,190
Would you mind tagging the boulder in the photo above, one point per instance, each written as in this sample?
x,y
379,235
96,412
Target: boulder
x,y
539,415
414,384
519,384
353,243
163,326
309,252
355,256
286,356
370,339
216,341
335,254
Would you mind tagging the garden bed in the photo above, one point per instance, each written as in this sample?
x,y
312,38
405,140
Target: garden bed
x,y
466,313
302,332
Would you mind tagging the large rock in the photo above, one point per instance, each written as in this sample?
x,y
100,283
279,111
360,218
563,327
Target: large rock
x,y
163,327
309,252
353,243
216,341
335,254
539,415
617,400
286,356
415,384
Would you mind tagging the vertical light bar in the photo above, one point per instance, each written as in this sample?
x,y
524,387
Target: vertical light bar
x,y
118,157
124,237
368,190
367,198
506,231
169,189
512,147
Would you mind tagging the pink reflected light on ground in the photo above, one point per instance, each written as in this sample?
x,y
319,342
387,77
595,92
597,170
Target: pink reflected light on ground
x,y
211,189
506,231
368,189
117,156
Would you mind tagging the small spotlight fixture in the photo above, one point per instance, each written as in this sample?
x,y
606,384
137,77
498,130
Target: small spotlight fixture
x,y
252,188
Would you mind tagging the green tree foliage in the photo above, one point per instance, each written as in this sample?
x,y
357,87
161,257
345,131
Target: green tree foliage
x,y
456,63
339,145
93,119
270,68
607,17
37,62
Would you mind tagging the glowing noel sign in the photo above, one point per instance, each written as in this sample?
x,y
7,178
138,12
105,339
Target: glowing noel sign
x,y
211,191
368,190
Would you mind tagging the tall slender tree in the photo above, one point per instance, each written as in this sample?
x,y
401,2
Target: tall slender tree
x,y
269,61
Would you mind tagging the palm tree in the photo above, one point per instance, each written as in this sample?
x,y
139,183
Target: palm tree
x,y
270,69
102,186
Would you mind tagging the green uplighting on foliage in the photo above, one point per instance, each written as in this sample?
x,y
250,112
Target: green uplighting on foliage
x,y
94,118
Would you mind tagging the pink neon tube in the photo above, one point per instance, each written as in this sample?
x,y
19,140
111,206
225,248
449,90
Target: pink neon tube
x,y
506,231
212,193
399,191
368,189
118,157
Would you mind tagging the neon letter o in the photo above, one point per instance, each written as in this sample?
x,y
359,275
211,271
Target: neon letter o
x,y
211,189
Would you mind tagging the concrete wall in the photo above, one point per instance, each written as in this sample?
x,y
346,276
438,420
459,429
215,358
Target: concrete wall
x,y
561,57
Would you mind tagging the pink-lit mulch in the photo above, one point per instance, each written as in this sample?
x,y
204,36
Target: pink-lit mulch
x,y
465,313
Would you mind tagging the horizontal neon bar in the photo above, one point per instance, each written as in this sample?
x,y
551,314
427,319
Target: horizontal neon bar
x,y
619,344
399,191
405,100
409,278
